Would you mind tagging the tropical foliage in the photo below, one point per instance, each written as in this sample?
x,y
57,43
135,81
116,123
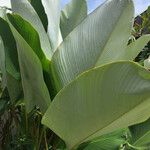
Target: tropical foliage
x,y
141,27
68,79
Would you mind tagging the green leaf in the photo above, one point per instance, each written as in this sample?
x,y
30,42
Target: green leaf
x,y
104,34
9,62
25,10
34,87
141,133
112,141
30,35
72,15
147,63
52,9
2,64
129,52
37,5
134,48
100,101
26,30
11,56
2,54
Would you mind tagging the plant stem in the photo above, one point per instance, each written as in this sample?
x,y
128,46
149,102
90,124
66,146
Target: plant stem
x,y
136,148
40,139
26,120
45,139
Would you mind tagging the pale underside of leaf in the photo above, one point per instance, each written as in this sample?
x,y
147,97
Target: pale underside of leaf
x,y
52,9
129,51
100,101
72,15
100,36
25,9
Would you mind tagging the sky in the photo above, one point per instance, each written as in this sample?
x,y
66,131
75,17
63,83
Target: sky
x,y
140,5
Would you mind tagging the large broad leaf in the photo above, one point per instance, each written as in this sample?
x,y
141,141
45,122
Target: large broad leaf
x,y
34,88
141,133
25,9
9,62
100,101
105,32
112,141
52,9
31,37
72,15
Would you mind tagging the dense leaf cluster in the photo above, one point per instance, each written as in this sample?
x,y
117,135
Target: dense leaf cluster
x,y
68,78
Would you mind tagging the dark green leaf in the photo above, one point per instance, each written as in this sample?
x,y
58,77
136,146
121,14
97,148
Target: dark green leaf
x,y
9,62
34,87
25,10
141,133
31,37
37,5
112,141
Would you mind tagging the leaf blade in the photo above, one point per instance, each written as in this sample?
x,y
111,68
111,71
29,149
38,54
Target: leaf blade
x,y
9,64
134,48
141,133
86,44
72,15
31,74
111,141
52,9
37,5
80,111
24,8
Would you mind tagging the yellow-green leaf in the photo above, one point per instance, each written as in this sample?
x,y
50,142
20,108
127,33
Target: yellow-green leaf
x,y
100,101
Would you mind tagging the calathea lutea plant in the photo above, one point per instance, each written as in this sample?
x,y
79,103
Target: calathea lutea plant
x,y
79,70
